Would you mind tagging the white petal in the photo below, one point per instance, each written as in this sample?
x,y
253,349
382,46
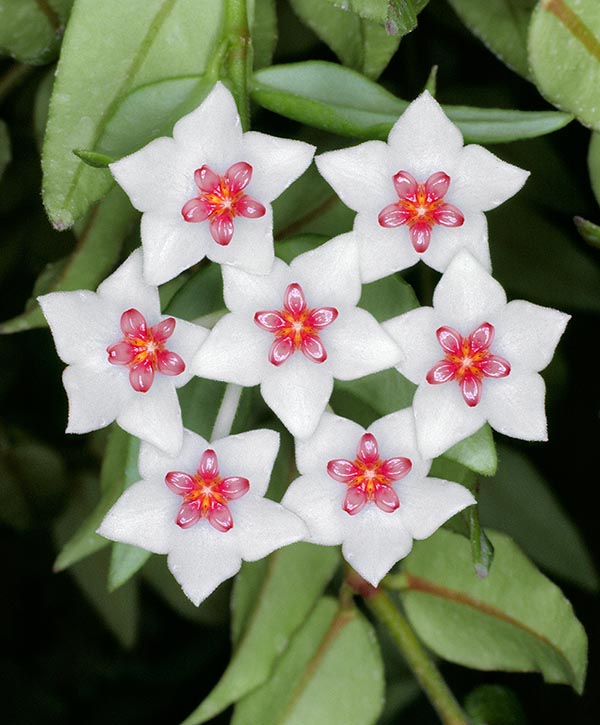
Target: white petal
x,y
251,248
382,251
426,503
357,345
154,177
329,274
186,341
263,526
249,293
414,332
155,463
515,406
318,500
527,334
374,542
236,351
250,455
297,392
214,126
447,241
172,245
335,437
276,162
397,437
204,558
126,288
359,175
443,418
425,140
95,398
485,179
80,325
466,295
143,516
155,416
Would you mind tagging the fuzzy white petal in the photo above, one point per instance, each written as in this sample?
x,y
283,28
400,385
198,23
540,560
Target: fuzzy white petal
x,y
447,241
155,463
276,163
317,500
396,435
249,293
443,418
155,416
515,406
374,542
143,516
425,504
528,333
414,332
335,437
329,274
186,341
263,526
359,175
297,392
126,288
96,396
466,295
79,324
357,345
236,351
251,455
382,251
484,179
251,247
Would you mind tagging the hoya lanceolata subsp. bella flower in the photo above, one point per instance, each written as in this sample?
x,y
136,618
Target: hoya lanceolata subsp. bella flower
x,y
207,191
369,491
476,358
296,329
205,508
125,360
422,194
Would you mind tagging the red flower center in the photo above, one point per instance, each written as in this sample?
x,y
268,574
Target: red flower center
x,y
421,207
296,326
468,360
221,198
369,477
143,350
205,494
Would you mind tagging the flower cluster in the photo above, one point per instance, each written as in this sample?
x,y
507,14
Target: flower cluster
x,y
293,329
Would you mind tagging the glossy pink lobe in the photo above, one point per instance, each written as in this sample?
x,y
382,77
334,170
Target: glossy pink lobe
x,y
221,199
143,350
296,327
420,207
206,494
369,478
468,360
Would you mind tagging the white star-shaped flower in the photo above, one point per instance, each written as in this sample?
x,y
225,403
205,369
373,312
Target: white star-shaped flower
x,y
422,194
125,360
294,331
205,508
208,190
369,491
476,358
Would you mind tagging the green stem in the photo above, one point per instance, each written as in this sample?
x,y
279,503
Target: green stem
x,y
227,411
428,675
239,58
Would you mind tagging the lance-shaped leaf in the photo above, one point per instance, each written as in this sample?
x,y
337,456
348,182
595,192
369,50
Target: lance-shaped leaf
x,y
293,580
515,619
331,672
362,109
476,452
30,30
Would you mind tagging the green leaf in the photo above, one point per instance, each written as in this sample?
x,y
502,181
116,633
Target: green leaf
x,y
294,246
293,581
30,30
331,672
126,72
594,164
359,43
476,452
99,241
501,25
564,56
125,561
388,297
520,502
119,470
398,16
263,28
201,295
515,619
588,230
4,147
494,705
362,109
